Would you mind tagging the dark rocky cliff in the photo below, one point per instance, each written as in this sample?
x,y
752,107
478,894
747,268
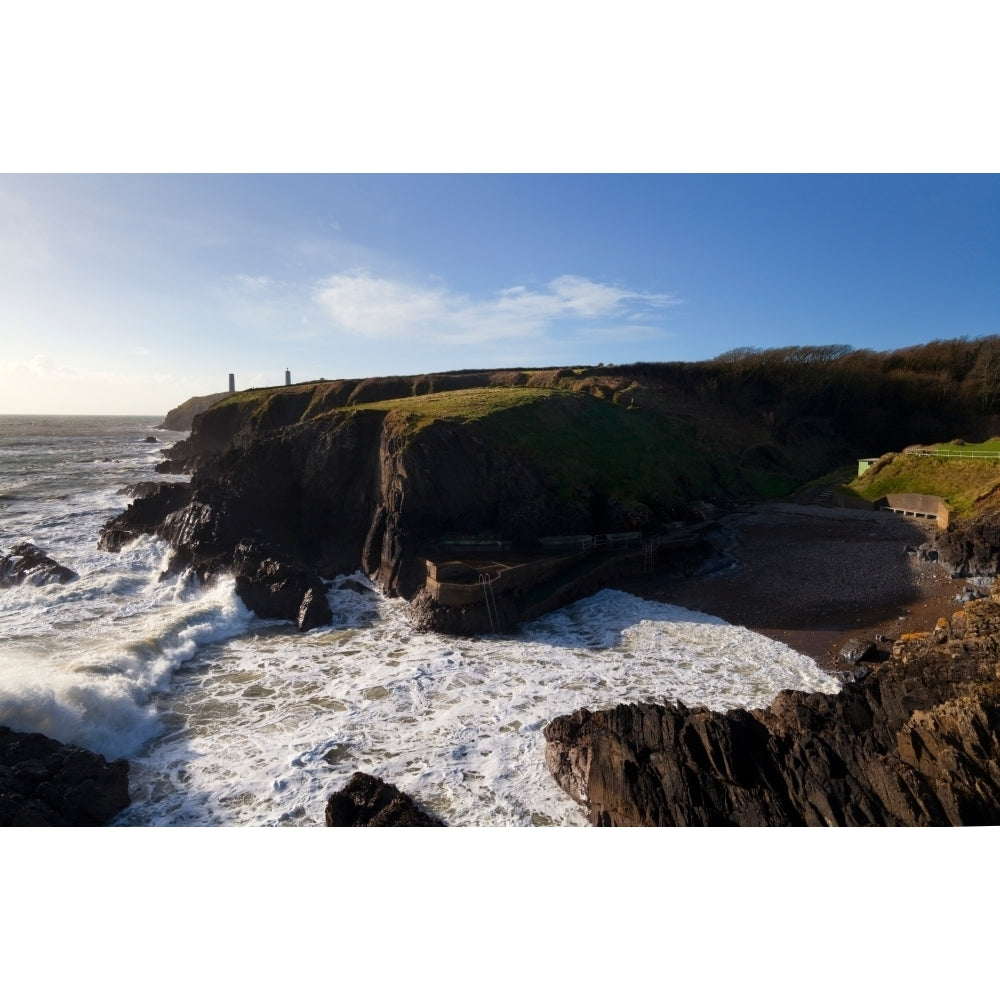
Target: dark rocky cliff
x,y
47,783
303,498
180,418
357,490
913,742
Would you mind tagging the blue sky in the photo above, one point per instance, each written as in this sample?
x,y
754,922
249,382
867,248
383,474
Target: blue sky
x,y
130,293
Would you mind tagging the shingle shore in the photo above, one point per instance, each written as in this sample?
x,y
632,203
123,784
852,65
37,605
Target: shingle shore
x,y
814,577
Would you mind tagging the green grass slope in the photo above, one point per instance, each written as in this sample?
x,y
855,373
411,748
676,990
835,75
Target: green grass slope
x,y
970,487
594,451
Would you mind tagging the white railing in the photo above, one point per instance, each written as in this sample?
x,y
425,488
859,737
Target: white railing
x,y
486,582
970,453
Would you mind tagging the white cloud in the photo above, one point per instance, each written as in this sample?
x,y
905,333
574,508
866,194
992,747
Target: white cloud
x,y
378,307
254,283
44,366
362,304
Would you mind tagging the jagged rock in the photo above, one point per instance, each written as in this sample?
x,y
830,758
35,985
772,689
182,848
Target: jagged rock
x,y
152,504
142,489
149,439
369,801
47,783
26,563
314,610
273,585
855,649
172,467
968,548
915,741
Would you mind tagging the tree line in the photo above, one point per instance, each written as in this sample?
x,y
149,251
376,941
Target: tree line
x,y
876,400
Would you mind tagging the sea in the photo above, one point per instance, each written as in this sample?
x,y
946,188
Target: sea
x,y
230,720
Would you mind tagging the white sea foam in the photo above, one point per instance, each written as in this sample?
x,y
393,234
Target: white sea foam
x,y
95,689
268,725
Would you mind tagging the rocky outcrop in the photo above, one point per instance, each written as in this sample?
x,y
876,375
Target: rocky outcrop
x,y
914,741
369,801
47,783
152,504
270,581
275,586
355,489
26,563
180,418
967,549
855,650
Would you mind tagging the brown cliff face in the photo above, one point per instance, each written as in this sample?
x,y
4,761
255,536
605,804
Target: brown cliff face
x,y
446,480
915,743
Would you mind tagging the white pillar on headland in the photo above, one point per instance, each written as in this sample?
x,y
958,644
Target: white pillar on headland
x,y
232,383
288,377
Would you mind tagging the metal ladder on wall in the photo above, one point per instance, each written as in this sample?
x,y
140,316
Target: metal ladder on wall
x,y
489,598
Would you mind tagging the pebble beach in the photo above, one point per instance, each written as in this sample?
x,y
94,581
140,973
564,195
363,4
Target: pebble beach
x,y
814,577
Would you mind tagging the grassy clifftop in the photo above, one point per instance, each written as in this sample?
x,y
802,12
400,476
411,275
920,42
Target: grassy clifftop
x,y
623,454
597,426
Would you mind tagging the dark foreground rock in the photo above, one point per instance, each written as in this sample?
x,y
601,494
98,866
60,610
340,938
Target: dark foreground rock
x,y
855,650
368,801
914,742
26,563
47,783
272,582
